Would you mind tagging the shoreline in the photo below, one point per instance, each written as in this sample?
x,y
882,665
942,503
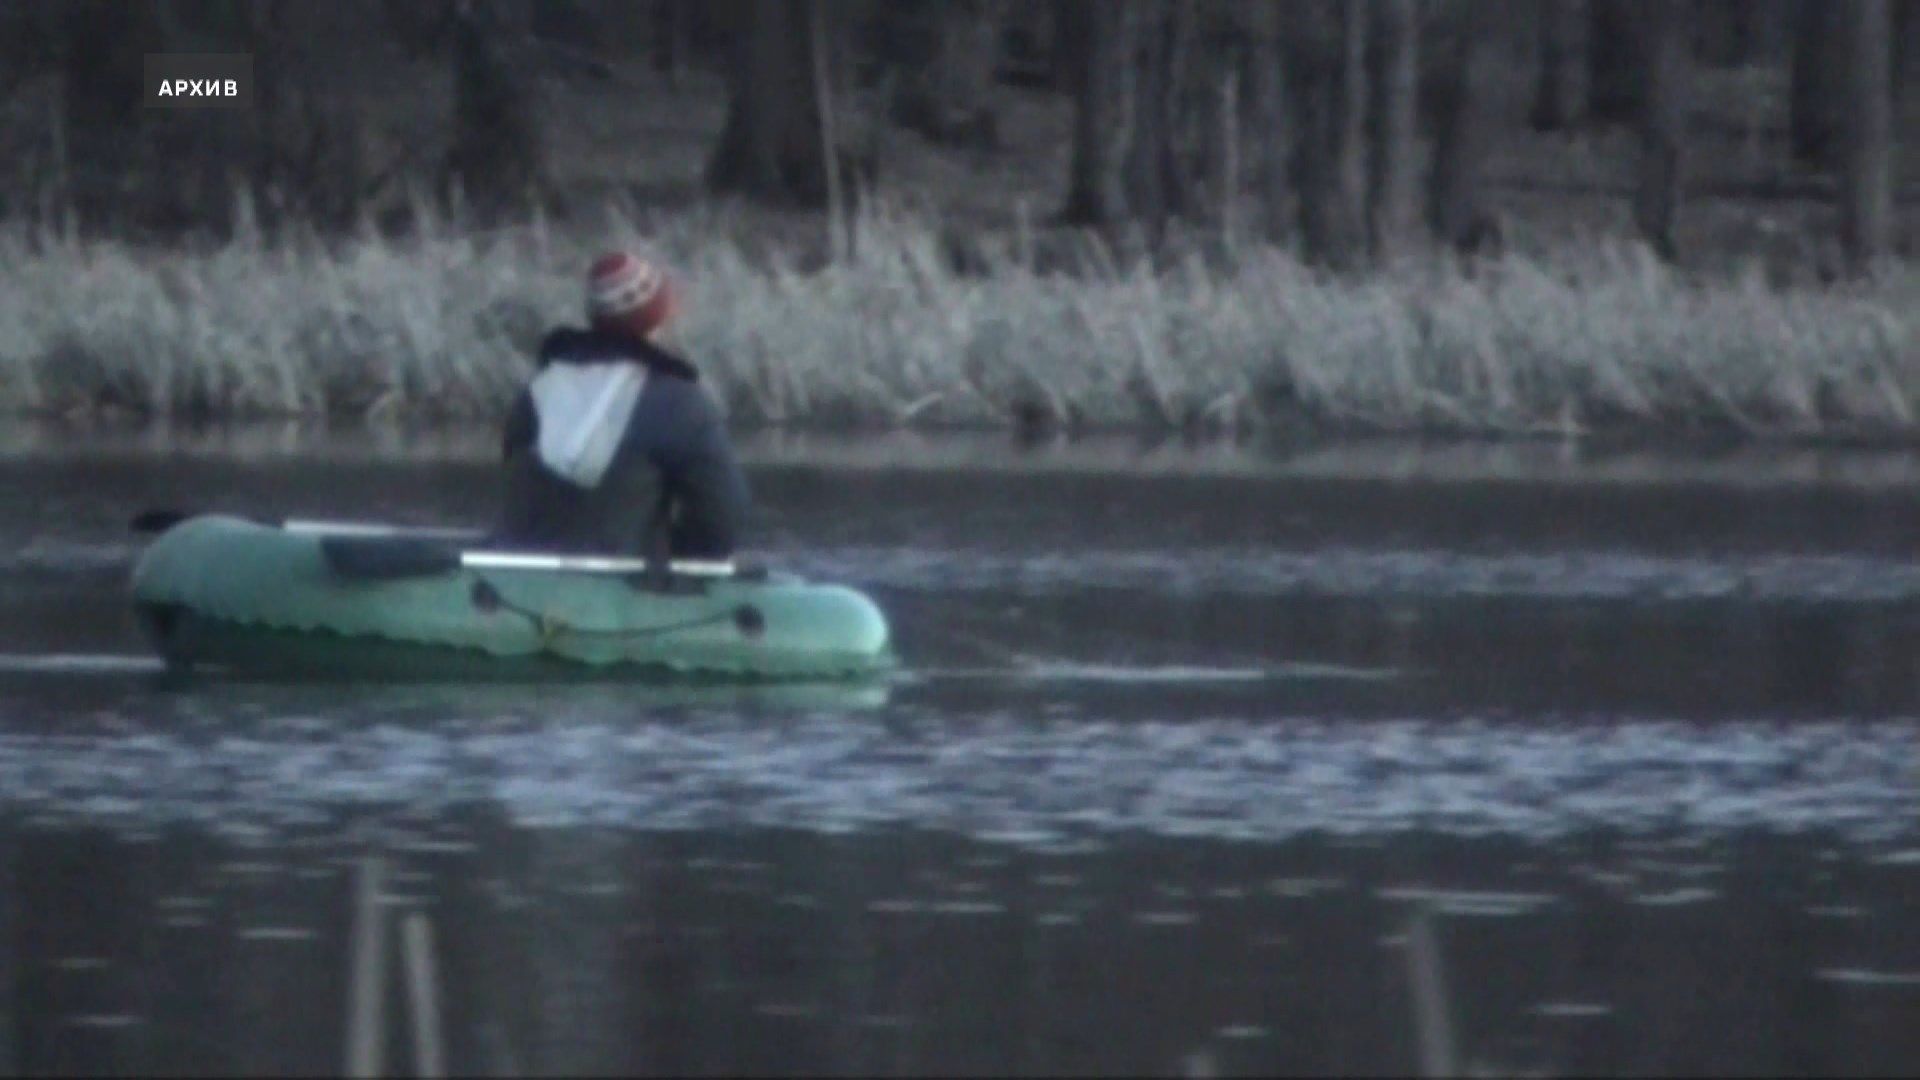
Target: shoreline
x,y
1585,342
1691,438
1379,459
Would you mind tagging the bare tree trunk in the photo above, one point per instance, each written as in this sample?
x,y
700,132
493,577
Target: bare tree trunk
x,y
1217,79
970,54
101,45
970,67
1067,50
1329,64
1866,208
1663,123
1194,98
1224,170
1393,188
1721,31
1758,31
1772,22
498,154
946,93
1615,64
671,23
1744,37
1906,48
1267,112
770,147
1313,68
839,227
573,24
291,140
1351,109
1744,33
1312,170
1817,96
313,149
29,39
1103,112
1556,87
1456,209
1152,176
127,166
765,85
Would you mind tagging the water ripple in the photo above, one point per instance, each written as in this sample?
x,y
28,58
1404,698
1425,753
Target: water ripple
x,y
1001,778
1347,571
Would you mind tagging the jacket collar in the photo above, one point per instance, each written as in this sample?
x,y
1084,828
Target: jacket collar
x,y
572,345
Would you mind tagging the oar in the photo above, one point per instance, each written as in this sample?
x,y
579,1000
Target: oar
x,y
155,521
379,552
385,558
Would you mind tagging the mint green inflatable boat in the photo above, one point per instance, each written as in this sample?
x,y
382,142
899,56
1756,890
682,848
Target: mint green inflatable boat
x,y
227,593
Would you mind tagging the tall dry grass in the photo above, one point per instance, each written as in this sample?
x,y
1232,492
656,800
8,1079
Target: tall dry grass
x,y
440,325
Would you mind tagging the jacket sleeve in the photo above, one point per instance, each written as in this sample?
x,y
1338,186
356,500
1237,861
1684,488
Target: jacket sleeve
x,y
711,491
523,426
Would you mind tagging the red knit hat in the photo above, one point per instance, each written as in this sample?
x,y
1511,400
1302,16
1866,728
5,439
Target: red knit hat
x,y
627,293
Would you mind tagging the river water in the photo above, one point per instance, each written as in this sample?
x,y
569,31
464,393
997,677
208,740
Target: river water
x,y
1379,758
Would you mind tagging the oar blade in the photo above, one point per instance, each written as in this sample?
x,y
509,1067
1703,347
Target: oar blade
x,y
381,558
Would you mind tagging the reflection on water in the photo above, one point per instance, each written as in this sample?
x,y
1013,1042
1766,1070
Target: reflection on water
x,y
1174,766
596,951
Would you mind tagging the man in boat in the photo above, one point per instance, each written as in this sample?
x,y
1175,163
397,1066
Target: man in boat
x,y
614,446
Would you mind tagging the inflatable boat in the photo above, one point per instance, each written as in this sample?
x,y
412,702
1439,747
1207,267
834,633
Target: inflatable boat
x,y
229,593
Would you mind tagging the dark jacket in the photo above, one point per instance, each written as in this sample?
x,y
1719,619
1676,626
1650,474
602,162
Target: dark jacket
x,y
674,468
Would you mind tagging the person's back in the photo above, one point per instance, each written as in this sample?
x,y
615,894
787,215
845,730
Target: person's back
x,y
614,444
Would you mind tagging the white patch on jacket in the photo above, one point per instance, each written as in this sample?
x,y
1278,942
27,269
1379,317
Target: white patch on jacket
x,y
583,411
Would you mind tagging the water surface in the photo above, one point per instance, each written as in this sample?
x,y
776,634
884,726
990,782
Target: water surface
x,y
1183,741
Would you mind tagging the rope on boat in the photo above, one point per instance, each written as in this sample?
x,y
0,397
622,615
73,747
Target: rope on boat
x,y
487,597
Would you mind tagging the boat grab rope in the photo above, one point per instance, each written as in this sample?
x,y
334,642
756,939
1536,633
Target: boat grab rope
x,y
487,597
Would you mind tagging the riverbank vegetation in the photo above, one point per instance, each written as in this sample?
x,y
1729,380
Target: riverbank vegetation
x,y
1208,217
439,325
